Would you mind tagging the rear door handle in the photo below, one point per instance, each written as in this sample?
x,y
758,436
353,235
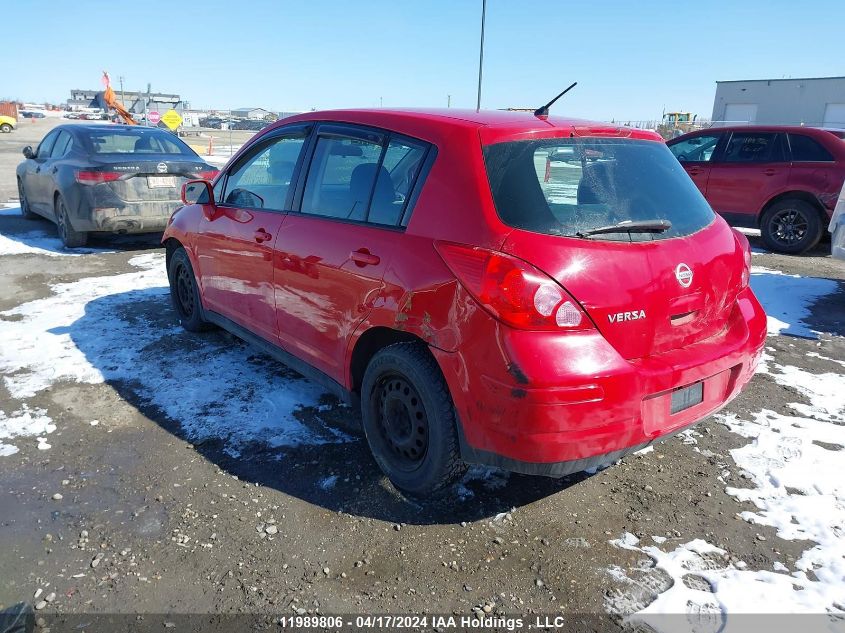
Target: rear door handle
x,y
770,171
363,257
262,236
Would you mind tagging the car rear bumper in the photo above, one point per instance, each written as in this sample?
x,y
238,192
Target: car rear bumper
x,y
552,404
100,210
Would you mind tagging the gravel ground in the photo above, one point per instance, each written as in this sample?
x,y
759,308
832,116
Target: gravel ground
x,y
133,508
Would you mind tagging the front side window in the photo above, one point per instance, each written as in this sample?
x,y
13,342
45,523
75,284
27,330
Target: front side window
x,y
754,147
568,187
806,149
263,179
696,149
46,146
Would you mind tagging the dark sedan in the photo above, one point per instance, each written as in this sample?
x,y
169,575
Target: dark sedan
x,y
106,178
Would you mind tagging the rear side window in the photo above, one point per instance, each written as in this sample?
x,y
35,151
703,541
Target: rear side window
x,y
364,179
807,149
569,186
696,149
754,147
140,141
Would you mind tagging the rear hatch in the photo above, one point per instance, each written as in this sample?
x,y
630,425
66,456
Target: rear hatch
x,y
663,271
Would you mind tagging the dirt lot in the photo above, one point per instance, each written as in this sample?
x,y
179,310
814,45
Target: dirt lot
x,y
146,469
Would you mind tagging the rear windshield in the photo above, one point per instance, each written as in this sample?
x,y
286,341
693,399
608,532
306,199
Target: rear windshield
x,y
140,141
567,186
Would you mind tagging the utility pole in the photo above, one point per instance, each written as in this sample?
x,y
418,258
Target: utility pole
x,y
381,102
448,101
122,96
481,53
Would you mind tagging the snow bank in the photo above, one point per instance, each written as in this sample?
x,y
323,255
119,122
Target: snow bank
x,y
787,299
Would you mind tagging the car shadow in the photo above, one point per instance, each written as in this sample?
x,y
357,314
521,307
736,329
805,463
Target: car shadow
x,y
258,420
39,236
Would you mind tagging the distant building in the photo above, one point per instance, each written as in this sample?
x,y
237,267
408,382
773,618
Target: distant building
x,y
253,113
817,102
131,100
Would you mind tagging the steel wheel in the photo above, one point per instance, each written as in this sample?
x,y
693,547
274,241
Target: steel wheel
x,y
185,291
403,422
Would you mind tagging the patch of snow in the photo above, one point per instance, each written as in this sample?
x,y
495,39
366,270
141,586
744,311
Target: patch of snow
x,y
40,243
25,422
645,451
794,466
10,209
787,299
93,330
658,539
489,477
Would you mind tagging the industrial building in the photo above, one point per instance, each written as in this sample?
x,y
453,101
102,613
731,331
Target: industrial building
x,y
818,102
132,101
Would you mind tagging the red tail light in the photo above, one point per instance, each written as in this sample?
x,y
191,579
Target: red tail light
x,y
208,175
96,177
512,290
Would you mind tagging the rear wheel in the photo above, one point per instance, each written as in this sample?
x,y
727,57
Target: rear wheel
x,y
184,292
70,237
409,420
791,226
25,210
5,128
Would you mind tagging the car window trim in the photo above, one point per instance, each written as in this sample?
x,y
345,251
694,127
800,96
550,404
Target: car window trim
x,y
258,146
419,183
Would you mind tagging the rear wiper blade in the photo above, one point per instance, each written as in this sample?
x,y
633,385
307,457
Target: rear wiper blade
x,y
630,226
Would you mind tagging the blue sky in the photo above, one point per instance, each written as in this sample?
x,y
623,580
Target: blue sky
x,y
630,58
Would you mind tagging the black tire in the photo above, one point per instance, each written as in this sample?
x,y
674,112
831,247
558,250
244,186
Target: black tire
x,y
409,420
5,128
70,237
791,226
25,210
184,292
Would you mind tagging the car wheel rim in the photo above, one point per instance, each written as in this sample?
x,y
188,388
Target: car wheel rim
x,y
185,291
403,423
789,226
21,196
61,221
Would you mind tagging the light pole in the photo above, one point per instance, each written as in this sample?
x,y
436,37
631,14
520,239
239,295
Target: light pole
x,y
481,53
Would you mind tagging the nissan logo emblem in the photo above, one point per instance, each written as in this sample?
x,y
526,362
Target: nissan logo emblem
x,y
161,168
683,274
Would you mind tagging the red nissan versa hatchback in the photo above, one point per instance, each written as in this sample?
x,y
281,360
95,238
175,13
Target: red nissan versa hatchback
x,y
480,307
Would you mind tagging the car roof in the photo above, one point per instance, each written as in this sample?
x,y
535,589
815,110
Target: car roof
x,y
515,122
794,129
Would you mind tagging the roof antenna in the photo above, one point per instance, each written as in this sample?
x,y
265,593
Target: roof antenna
x,y
544,111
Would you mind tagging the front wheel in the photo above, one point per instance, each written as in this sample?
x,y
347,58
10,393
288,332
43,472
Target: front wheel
x,y
71,238
25,210
791,226
184,292
409,420
5,128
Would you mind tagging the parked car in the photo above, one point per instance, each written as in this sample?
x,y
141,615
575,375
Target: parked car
x,y
420,264
782,180
32,114
7,123
96,178
71,115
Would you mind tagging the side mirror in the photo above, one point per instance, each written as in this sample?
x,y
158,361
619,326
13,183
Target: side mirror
x,y
27,152
197,192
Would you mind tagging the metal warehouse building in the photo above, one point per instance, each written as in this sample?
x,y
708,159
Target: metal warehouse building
x,y
817,101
